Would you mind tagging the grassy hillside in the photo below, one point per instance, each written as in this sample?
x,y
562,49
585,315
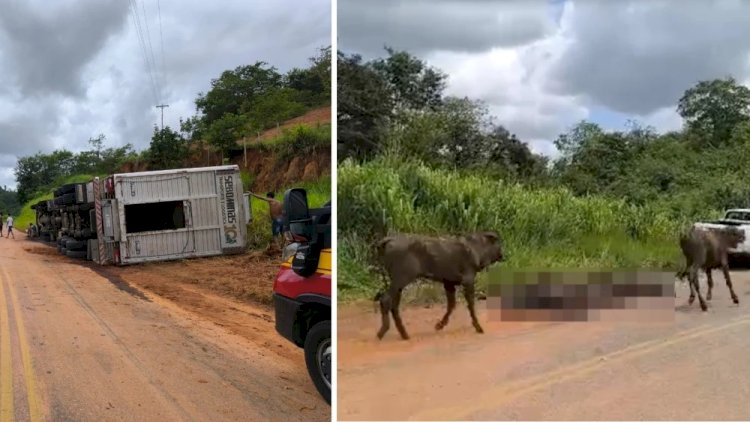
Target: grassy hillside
x,y
541,228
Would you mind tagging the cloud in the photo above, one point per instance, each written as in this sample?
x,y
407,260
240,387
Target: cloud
x,y
543,66
421,26
512,81
49,46
638,57
73,69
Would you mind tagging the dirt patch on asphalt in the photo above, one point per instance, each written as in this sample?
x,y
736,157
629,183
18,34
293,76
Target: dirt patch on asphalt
x,y
41,250
233,292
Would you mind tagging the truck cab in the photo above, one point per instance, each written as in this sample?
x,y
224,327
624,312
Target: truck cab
x,y
737,218
302,288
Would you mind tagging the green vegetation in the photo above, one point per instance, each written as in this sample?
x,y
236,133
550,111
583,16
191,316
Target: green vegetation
x,y
259,230
36,173
299,140
9,201
253,98
420,162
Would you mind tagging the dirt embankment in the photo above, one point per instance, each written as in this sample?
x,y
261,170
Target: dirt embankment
x,y
268,170
318,116
271,173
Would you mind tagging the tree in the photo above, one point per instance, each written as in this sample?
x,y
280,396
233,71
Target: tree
x,y
365,106
9,201
224,132
273,108
237,88
413,84
714,108
576,138
312,86
113,158
37,171
168,149
97,144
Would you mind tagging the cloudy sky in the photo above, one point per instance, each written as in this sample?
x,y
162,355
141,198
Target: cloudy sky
x,y
543,65
71,69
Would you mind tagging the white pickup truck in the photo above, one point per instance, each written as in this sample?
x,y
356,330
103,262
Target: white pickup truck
x,y
738,218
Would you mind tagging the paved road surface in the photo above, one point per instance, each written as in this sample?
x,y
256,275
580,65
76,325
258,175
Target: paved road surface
x,y
75,347
695,367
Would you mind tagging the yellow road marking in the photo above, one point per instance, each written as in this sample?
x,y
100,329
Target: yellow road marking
x,y
492,398
6,364
28,369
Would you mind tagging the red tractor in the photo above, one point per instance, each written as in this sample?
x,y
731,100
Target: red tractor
x,y
302,289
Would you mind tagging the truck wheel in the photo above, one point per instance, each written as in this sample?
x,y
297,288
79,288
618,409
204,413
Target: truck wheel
x,y
68,199
75,245
318,357
76,254
69,188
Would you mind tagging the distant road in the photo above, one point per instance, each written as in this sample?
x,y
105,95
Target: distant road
x,y
75,347
694,368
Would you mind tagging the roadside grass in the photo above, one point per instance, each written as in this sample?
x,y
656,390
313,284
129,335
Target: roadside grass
x,y
301,139
259,229
542,229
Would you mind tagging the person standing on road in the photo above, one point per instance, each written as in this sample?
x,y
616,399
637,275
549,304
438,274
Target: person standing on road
x,y
1,224
276,212
9,223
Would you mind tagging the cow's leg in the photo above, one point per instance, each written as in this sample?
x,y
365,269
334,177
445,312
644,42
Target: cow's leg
x,y
469,296
691,299
725,270
385,307
397,316
450,293
696,285
710,284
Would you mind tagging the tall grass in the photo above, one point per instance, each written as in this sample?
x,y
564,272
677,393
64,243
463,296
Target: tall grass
x,y
259,230
541,228
297,140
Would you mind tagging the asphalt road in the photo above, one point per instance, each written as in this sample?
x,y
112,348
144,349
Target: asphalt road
x,y
694,366
76,347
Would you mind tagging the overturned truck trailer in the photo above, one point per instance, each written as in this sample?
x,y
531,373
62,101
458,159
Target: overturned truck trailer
x,y
130,218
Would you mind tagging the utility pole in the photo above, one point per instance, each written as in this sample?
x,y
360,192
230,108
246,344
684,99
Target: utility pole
x,y
161,106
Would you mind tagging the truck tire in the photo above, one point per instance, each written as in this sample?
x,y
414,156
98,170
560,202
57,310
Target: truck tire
x,y
75,245
68,199
69,188
318,353
63,251
76,254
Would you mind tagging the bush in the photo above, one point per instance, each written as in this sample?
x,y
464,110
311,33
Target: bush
x,y
541,228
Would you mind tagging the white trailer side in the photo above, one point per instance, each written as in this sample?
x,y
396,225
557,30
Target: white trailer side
x,y
174,214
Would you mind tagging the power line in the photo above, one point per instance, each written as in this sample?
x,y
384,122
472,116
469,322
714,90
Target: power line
x,y
142,43
161,39
151,50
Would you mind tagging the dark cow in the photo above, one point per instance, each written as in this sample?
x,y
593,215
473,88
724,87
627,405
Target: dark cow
x,y
452,261
708,250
